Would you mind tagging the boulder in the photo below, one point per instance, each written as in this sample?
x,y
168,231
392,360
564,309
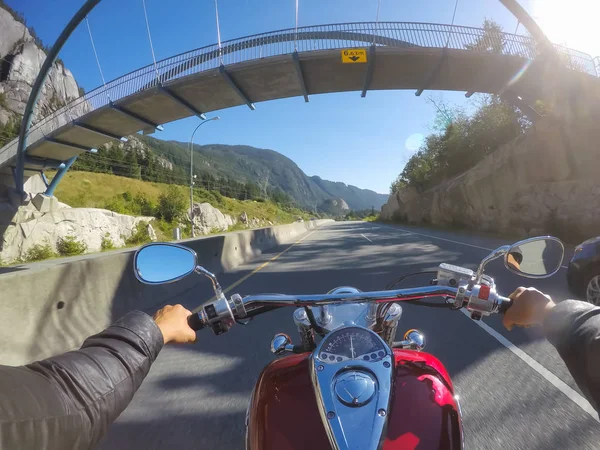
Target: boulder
x,y
244,218
208,219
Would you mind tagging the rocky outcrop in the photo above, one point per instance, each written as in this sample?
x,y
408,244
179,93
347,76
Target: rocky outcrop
x,y
21,60
134,144
208,219
544,181
334,206
26,227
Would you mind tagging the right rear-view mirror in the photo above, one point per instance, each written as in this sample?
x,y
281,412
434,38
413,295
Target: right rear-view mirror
x,y
538,257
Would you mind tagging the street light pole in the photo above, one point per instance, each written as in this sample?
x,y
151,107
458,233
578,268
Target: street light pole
x,y
191,146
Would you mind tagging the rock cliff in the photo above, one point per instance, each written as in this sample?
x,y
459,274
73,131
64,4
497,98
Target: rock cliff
x,y
20,62
544,181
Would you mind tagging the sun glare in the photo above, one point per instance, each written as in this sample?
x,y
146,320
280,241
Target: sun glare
x,y
573,23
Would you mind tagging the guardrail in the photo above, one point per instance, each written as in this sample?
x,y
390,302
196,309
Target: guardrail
x,y
304,39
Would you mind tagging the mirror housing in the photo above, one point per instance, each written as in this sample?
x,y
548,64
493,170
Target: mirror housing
x,y
160,262
542,257
538,257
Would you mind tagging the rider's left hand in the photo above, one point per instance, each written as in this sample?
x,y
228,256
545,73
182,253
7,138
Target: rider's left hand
x,y
173,324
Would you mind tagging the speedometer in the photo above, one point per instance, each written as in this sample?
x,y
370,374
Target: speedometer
x,y
352,343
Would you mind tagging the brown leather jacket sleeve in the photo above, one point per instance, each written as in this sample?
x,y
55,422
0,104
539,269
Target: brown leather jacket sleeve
x,y
69,401
573,327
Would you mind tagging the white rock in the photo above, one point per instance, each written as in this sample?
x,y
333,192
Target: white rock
x,y
88,225
152,233
208,219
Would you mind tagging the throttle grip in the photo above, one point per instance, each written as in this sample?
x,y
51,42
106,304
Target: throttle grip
x,y
504,304
195,322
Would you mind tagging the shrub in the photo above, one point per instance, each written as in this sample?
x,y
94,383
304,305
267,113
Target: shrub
x,y
144,205
140,235
39,252
70,246
107,243
117,204
171,204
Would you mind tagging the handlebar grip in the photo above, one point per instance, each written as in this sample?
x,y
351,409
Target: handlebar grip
x,y
505,304
195,322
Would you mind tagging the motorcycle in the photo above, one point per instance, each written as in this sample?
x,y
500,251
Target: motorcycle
x,y
349,384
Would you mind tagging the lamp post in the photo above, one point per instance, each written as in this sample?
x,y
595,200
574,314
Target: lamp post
x,y
192,171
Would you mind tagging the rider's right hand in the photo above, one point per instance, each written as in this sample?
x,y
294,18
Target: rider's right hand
x,y
173,324
529,307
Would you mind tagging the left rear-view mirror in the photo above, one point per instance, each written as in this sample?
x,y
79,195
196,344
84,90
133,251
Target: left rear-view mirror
x,y
538,257
159,263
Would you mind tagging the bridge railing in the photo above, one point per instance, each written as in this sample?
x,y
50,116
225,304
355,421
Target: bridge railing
x,y
304,39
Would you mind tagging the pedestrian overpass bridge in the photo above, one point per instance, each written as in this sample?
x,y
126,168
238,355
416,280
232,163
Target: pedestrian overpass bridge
x,y
302,62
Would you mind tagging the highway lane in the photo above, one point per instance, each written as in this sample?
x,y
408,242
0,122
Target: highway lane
x,y
196,396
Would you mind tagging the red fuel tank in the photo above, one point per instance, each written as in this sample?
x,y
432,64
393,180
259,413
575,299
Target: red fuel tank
x,y
424,414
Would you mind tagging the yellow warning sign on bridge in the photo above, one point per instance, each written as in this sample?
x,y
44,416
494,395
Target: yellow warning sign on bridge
x,y
354,55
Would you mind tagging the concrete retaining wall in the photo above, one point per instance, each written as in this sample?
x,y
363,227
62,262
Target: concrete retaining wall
x,y
51,307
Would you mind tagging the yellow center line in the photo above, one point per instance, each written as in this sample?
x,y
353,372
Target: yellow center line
x,y
258,269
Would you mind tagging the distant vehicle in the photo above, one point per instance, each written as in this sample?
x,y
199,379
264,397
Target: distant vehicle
x,y
583,274
313,218
299,219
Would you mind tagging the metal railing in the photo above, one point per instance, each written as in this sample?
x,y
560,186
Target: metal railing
x,y
305,39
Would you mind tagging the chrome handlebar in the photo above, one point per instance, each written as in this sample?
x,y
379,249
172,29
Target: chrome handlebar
x,y
220,314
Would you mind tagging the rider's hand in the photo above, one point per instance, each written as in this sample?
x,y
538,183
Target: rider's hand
x,y
173,324
529,307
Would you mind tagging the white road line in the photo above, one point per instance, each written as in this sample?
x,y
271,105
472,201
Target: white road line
x,y
577,398
443,239
439,238
366,237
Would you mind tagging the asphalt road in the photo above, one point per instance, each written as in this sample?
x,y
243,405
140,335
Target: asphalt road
x,y
196,396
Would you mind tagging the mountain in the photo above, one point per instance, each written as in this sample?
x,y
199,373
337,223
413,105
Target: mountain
x,y
266,168
355,197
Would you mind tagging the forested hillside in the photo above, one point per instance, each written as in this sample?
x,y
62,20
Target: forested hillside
x,y
237,171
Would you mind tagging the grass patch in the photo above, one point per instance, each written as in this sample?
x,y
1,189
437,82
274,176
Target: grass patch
x,y
136,197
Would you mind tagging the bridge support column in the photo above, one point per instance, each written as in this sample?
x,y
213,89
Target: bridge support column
x,y
369,72
152,125
59,176
182,102
73,146
235,87
99,132
298,67
434,73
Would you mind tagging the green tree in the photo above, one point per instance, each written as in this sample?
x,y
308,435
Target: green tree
x,y
492,40
171,203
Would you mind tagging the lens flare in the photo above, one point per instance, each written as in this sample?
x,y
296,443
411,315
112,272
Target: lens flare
x,y
519,73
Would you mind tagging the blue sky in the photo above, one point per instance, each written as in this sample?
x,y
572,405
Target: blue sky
x,y
340,137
